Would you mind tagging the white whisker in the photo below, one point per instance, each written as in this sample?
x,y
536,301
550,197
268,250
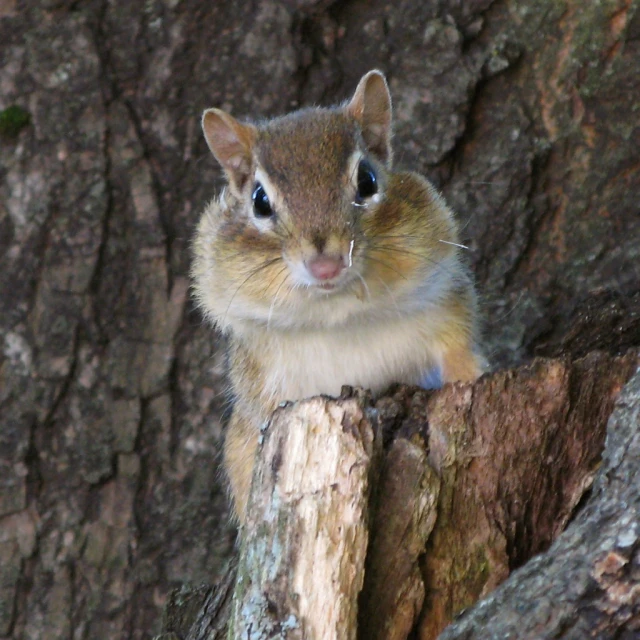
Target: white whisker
x,y
393,298
364,284
252,273
275,298
513,308
455,244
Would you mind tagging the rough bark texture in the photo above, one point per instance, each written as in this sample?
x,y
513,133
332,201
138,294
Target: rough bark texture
x,y
516,455
588,584
473,482
111,404
406,511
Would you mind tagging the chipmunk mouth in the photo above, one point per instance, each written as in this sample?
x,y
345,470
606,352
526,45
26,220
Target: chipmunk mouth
x,y
326,287
343,283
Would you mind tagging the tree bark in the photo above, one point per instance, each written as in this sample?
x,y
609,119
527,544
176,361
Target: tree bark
x,y
474,481
523,112
588,584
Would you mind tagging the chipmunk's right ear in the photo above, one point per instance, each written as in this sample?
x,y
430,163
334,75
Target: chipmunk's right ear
x,y
231,142
371,107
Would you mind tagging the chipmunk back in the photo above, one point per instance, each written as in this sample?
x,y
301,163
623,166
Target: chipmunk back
x,y
325,267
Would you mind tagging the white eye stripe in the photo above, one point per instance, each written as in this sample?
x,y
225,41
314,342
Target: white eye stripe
x,y
352,167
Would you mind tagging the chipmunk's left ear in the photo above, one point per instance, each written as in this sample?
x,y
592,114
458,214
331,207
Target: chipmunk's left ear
x,y
371,107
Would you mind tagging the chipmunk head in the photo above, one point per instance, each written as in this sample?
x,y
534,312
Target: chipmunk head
x,y
304,191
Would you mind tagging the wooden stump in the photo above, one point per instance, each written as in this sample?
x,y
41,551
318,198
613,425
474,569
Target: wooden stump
x,y
445,493
304,543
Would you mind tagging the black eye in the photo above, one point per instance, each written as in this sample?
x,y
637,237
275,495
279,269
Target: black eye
x,y
261,204
367,181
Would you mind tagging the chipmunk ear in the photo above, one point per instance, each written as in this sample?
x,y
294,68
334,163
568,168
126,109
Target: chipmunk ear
x,y
231,142
371,107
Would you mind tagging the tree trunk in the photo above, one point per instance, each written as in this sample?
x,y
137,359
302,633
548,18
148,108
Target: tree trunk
x,y
111,387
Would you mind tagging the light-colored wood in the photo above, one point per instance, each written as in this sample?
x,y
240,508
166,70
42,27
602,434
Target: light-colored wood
x,y
305,537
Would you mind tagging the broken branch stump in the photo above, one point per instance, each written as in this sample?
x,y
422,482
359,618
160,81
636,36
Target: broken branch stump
x,y
473,481
304,542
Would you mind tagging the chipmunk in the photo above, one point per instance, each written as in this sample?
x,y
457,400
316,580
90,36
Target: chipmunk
x,y
325,267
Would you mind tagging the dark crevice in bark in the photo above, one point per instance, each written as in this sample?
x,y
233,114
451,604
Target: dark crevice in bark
x,y
536,213
157,189
109,89
64,386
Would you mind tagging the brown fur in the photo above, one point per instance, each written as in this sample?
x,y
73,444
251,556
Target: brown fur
x,y
403,304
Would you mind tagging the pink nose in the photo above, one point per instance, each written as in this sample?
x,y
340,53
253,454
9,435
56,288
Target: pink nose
x,y
325,267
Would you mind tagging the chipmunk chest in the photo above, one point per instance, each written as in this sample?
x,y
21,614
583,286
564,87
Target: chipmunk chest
x,y
321,362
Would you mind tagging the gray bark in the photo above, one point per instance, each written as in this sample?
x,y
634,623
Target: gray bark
x,y
111,395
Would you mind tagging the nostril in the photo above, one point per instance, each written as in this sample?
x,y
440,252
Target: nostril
x,y
325,267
